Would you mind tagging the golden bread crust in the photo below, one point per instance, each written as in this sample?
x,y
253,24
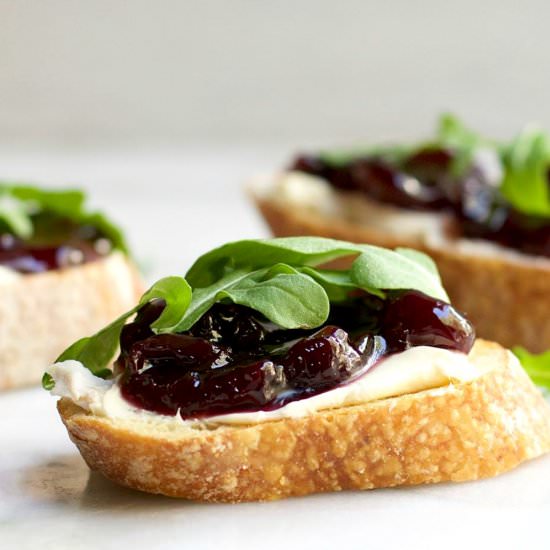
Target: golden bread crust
x,y
456,433
41,314
507,301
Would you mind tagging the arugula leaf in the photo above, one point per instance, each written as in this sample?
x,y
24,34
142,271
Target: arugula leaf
x,y
280,292
464,143
106,227
420,258
337,284
224,272
63,202
177,294
289,300
536,366
97,351
204,298
19,203
14,216
526,164
374,268
392,270
255,253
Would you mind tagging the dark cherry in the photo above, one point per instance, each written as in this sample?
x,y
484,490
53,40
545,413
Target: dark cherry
x,y
321,360
231,325
196,393
207,371
429,165
176,372
180,350
140,329
424,181
413,319
384,183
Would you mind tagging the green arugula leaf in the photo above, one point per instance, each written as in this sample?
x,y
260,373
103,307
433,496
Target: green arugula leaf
x,y
420,258
19,203
280,292
374,269
14,216
97,351
296,251
289,300
48,382
337,284
204,298
177,294
393,270
106,227
526,163
536,366
452,134
63,202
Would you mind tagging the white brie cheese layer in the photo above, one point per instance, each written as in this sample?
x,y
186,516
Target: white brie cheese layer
x,y
410,371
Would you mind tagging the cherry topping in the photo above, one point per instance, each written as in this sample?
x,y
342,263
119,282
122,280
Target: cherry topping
x,y
413,319
57,244
234,360
425,181
27,259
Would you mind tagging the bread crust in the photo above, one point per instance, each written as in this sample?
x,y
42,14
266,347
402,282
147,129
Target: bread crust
x,y
508,301
460,432
41,314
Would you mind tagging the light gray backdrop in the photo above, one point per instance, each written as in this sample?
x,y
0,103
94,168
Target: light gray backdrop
x,y
101,72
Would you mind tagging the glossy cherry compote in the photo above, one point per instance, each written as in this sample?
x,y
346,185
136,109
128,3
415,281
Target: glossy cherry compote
x,y
56,244
234,360
425,180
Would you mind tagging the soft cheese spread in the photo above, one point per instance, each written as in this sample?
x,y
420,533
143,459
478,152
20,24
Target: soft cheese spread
x,y
416,369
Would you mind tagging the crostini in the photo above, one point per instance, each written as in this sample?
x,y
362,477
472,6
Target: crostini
x,y
261,375
480,209
64,272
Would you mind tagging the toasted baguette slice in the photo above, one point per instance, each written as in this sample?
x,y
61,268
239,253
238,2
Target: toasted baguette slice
x,y
455,433
506,296
41,314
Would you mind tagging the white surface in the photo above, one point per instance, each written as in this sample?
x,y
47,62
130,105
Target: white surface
x,y
176,205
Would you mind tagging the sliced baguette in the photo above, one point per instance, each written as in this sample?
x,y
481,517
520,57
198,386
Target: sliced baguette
x,y
455,433
507,298
41,314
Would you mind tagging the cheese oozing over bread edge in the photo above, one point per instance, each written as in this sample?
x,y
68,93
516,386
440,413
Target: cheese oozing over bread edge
x,y
416,369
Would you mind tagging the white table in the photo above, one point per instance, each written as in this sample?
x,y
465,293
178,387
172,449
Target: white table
x,y
176,205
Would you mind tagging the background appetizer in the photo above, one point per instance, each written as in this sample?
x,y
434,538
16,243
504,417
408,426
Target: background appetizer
x,y
481,209
64,271
261,375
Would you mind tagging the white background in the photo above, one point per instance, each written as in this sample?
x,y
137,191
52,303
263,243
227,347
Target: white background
x,y
162,110
75,72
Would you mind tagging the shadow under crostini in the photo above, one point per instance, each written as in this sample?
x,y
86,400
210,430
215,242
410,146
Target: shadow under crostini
x,y
66,480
